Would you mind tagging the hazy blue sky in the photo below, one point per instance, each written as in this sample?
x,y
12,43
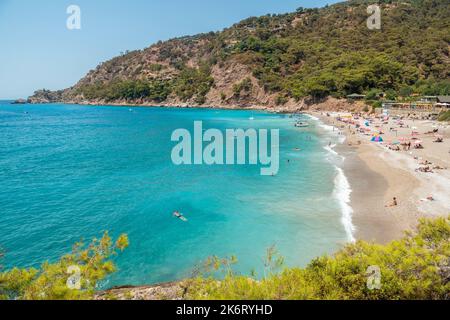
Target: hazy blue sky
x,y
38,51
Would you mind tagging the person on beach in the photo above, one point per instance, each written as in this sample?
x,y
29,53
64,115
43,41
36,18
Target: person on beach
x,y
394,203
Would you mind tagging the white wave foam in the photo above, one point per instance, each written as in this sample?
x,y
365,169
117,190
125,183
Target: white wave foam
x,y
330,149
342,189
327,127
342,192
312,117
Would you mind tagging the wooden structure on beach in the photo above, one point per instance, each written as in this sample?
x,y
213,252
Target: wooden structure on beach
x,y
355,96
428,105
443,101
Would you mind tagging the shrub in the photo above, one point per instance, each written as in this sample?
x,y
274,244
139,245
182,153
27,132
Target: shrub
x,y
50,281
415,267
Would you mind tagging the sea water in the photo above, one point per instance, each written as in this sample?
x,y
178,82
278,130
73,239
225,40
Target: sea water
x,y
70,172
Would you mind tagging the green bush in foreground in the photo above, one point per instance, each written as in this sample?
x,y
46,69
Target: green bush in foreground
x,y
416,267
52,280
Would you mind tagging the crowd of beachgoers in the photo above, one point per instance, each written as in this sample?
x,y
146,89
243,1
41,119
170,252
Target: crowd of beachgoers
x,y
411,155
401,133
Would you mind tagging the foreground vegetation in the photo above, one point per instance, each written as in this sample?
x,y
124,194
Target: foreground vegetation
x,y
75,276
415,267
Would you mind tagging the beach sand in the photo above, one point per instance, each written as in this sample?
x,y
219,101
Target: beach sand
x,y
377,174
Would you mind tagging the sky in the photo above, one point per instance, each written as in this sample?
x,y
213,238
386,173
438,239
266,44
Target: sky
x,y
37,50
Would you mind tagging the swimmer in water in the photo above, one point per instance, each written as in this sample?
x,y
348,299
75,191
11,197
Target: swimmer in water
x,y
177,214
180,216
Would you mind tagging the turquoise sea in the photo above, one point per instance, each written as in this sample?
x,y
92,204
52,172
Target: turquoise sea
x,y
69,172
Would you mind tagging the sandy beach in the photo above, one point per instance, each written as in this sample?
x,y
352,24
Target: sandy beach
x,y
378,174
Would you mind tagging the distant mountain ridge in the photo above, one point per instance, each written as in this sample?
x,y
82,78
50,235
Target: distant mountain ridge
x,y
282,60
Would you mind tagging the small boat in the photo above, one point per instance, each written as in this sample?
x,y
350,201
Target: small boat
x,y
301,125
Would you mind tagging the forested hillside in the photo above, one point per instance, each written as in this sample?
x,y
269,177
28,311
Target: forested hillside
x,y
283,59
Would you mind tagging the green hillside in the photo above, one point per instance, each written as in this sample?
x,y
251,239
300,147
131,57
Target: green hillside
x,y
307,53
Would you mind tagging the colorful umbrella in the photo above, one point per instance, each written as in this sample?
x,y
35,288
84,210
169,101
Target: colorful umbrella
x,y
377,139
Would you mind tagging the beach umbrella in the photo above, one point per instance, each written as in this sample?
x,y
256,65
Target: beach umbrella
x,y
377,139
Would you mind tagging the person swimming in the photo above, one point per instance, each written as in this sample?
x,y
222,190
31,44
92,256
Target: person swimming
x,y
177,214
180,216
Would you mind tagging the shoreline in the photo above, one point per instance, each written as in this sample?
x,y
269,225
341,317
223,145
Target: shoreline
x,y
373,176
376,175
280,109
342,189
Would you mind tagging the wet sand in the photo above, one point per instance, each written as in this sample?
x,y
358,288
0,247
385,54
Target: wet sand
x,y
374,183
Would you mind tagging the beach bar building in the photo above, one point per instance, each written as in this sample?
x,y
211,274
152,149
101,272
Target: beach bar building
x,y
426,106
443,101
355,96
429,99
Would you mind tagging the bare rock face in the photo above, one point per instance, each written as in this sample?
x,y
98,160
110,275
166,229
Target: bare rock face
x,y
19,101
333,104
46,96
166,291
